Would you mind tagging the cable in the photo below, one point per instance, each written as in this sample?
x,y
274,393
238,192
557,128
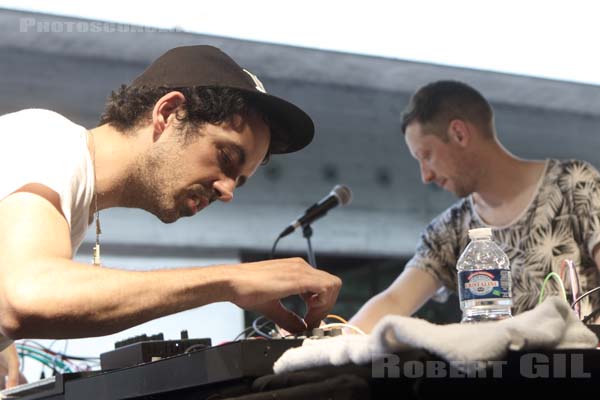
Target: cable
x,y
336,325
591,315
257,328
41,361
577,300
560,282
22,361
65,348
244,332
563,268
274,246
34,344
56,360
575,286
333,316
310,252
45,360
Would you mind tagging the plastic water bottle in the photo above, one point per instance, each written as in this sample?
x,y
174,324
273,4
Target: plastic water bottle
x,y
484,281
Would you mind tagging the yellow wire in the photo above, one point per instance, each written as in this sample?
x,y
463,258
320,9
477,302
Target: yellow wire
x,y
336,325
560,282
333,316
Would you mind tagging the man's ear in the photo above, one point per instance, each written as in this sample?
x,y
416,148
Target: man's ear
x,y
459,132
165,111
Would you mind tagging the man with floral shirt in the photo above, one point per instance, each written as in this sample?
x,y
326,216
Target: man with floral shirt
x,y
541,212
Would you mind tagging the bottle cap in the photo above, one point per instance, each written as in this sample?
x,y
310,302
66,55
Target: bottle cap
x,y
480,233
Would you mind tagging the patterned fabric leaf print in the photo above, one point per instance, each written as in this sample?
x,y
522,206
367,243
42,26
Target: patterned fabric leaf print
x,y
562,221
552,196
510,241
547,242
586,200
584,188
576,172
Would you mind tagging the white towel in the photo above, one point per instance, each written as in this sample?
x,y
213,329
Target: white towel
x,y
551,325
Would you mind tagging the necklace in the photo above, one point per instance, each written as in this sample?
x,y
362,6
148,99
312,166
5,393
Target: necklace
x,y
96,249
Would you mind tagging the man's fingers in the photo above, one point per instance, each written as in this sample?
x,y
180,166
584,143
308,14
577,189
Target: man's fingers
x,y
317,308
283,317
277,279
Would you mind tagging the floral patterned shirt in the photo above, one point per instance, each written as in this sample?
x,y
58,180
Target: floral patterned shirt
x,y
562,221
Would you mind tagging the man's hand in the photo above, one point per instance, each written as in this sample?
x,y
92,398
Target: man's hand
x,y
259,287
412,289
40,284
9,367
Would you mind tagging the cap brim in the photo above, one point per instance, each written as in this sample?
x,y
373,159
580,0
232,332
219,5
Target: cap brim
x,y
292,128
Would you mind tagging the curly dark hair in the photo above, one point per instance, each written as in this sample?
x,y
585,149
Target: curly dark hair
x,y
129,107
438,103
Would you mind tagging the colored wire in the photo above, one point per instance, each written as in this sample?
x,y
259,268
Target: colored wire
x,y
336,325
560,282
42,361
57,360
52,363
563,268
37,345
333,316
575,286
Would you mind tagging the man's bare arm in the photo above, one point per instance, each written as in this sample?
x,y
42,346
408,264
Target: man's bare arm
x,y
404,297
44,294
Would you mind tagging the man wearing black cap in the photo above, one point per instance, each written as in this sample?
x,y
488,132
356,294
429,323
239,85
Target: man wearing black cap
x,y
188,131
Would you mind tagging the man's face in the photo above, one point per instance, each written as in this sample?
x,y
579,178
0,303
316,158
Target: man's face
x,y
442,163
176,179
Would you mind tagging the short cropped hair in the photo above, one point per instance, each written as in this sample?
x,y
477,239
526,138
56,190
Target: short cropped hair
x,y
436,104
130,107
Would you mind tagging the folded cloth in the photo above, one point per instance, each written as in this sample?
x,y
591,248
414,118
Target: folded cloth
x,y
551,325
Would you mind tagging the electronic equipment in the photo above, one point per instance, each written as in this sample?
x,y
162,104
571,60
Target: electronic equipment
x,y
231,370
227,364
143,349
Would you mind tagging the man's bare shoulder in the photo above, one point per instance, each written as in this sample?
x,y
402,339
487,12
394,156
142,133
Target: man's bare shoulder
x,y
31,224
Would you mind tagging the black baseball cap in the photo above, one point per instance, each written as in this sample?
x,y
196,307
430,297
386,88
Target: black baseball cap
x,y
201,65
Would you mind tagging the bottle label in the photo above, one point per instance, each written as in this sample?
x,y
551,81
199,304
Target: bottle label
x,y
484,284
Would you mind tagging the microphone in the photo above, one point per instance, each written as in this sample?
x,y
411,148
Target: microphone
x,y
339,195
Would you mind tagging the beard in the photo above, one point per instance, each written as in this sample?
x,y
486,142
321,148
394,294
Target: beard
x,y
152,186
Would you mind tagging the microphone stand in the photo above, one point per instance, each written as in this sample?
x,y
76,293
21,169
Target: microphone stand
x,y
307,232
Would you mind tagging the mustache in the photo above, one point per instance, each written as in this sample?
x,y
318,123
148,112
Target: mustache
x,y
200,190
